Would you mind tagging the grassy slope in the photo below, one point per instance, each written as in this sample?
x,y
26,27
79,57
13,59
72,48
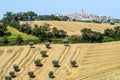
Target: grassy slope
x,y
15,33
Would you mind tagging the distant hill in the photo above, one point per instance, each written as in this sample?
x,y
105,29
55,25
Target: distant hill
x,y
72,28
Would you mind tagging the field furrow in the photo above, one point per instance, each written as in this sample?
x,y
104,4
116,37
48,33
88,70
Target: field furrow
x,y
95,61
76,77
43,71
10,61
62,58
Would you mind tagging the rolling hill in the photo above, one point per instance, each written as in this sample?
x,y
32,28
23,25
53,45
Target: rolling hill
x,y
15,33
72,28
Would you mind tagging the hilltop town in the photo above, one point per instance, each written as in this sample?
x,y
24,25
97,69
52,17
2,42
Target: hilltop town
x,y
82,16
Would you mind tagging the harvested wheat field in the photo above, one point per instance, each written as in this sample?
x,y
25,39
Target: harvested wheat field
x,y
72,28
95,61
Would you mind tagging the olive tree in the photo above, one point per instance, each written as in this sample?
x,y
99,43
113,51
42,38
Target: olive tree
x,y
16,68
47,44
31,74
31,44
55,63
73,63
12,74
43,53
65,41
8,77
38,62
51,74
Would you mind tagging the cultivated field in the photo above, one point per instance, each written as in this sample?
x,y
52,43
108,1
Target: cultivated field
x,y
95,61
72,28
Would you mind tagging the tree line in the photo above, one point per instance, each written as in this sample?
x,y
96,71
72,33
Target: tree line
x,y
31,16
90,36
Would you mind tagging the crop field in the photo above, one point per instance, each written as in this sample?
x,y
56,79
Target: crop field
x,y
72,28
94,61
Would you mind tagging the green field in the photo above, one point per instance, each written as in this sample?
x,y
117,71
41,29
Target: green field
x,y
15,33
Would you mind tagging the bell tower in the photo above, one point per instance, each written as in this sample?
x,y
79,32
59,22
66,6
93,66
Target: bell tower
x,y
82,12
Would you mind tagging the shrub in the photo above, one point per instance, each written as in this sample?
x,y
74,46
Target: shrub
x,y
7,77
12,74
47,44
5,40
19,40
75,39
73,63
55,63
8,33
38,62
31,74
31,44
16,67
43,53
112,23
65,41
51,74
107,39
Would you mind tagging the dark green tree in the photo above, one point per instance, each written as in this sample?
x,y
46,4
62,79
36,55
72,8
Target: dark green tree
x,y
117,32
8,17
31,15
55,63
38,62
112,23
47,44
55,32
73,63
5,40
65,41
26,28
62,33
12,74
109,32
19,40
3,29
97,37
51,74
16,68
91,36
43,53
49,36
31,74
31,44
7,77
36,31
86,34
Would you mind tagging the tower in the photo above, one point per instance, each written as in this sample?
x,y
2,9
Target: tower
x,y
82,12
57,14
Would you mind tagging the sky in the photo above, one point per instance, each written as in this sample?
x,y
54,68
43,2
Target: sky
x,y
46,7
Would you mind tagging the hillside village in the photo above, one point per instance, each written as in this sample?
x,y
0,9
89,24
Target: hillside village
x,y
82,16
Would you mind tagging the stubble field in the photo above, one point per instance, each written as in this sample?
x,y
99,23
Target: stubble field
x,y
95,61
72,28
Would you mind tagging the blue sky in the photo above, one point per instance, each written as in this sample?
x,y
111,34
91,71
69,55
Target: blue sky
x,y
100,7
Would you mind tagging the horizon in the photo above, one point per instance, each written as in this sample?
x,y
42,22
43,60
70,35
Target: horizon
x,y
63,7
